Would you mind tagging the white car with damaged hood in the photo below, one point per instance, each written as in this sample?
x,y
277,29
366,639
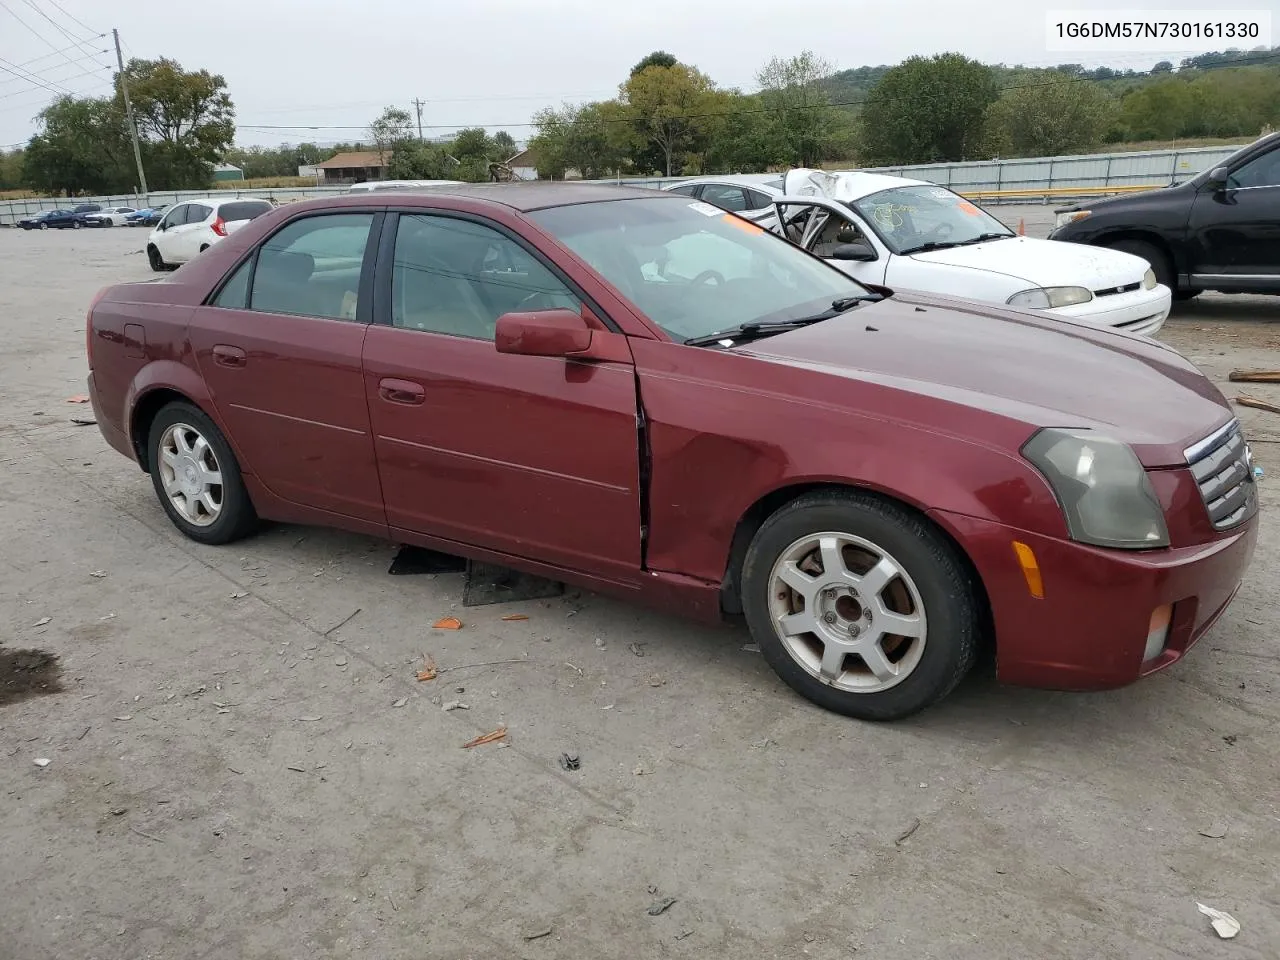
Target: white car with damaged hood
x,y
909,234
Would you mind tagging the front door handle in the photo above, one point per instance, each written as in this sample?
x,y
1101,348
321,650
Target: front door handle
x,y
226,356
402,391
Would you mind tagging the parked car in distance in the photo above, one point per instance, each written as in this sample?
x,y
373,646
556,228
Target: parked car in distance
x,y
369,186
749,195
146,217
1216,231
880,482
187,229
909,234
110,217
53,220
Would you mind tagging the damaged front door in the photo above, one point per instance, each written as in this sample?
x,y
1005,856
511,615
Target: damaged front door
x,y
830,231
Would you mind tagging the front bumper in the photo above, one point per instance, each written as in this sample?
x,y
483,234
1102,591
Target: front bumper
x,y
1139,311
1089,631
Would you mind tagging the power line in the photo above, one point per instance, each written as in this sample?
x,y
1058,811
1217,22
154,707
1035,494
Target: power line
x,y
58,89
39,36
27,74
57,26
77,20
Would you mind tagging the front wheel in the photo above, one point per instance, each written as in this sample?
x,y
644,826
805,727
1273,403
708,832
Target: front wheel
x,y
154,258
196,476
860,604
1161,266
76,224
44,226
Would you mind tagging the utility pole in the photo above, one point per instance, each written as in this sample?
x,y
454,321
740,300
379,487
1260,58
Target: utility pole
x,y
128,109
418,105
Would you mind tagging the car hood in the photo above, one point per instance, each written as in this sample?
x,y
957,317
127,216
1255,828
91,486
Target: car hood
x,y
1037,371
1044,263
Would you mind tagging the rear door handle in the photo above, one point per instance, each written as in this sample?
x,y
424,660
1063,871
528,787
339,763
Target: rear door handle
x,y
402,391
226,356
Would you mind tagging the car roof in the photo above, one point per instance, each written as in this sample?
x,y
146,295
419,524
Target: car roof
x,y
527,196
740,179
854,185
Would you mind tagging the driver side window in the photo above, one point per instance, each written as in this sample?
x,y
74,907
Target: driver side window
x,y
835,232
458,277
175,216
1263,171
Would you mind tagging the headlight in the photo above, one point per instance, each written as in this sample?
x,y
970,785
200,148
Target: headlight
x,y
1070,216
1103,489
1149,280
1049,298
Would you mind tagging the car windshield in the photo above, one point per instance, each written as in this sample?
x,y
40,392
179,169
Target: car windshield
x,y
923,217
694,269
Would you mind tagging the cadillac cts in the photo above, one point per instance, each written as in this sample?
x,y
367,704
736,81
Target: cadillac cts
x,y
646,396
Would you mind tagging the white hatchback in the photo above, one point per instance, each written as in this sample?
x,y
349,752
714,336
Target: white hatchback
x,y
914,235
188,228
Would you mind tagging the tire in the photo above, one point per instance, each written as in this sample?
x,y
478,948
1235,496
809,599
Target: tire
x,y
185,449
76,224
204,247
44,226
154,258
892,568
1153,255
1186,294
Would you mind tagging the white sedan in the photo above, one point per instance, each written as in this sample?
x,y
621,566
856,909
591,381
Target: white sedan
x,y
109,217
914,235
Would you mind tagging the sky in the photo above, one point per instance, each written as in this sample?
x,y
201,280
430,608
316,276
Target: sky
x,y
291,65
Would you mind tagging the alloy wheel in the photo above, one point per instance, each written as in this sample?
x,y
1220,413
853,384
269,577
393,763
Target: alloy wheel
x,y
190,474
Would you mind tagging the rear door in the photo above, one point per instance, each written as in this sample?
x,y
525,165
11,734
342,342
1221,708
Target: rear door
x,y
1235,232
531,456
191,233
279,346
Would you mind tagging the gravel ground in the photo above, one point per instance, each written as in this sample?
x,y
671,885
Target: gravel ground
x,y
242,764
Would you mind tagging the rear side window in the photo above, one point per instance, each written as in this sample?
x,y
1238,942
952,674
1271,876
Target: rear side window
x,y
312,267
197,213
759,200
243,210
725,197
688,189
234,294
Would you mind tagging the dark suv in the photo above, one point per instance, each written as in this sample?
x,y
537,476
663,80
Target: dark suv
x,y
1218,231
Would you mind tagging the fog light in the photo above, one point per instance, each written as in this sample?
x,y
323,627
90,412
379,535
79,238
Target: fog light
x,y
1157,632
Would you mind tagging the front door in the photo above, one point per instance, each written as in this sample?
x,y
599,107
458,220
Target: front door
x,y
1235,230
279,347
535,457
820,226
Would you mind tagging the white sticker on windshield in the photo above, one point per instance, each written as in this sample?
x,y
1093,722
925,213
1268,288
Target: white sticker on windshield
x,y
706,209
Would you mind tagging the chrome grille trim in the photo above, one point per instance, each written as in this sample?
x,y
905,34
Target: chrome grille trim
x,y
1221,466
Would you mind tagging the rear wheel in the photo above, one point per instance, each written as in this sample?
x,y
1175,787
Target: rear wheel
x,y
154,258
196,476
44,226
860,605
76,224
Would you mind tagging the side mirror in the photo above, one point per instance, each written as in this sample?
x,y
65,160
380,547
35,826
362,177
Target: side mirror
x,y
1218,178
853,251
543,333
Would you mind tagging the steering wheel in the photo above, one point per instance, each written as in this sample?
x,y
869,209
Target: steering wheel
x,y
707,275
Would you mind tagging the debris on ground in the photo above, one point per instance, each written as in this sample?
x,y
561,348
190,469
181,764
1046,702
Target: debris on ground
x,y
514,617
641,770
119,811
43,761
1215,832
493,737
659,907
97,574
1256,404
1230,739
683,934
401,702
429,670
125,717
453,705
657,681
599,644
636,648
762,744
906,834
1254,376
538,934
239,596
340,662
342,623
78,398
751,647
43,622
1224,924
84,421
447,623
488,583
570,761
311,719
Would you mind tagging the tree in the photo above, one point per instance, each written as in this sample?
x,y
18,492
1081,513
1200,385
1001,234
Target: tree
x,y
472,143
742,139
11,169
411,160
391,128
504,145
82,147
186,119
1049,118
1164,66
659,58
927,109
800,109
666,104
591,139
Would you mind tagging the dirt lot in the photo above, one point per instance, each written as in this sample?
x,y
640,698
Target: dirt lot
x,y
242,764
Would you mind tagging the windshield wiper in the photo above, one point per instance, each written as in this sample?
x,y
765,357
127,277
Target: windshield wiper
x,y
931,245
984,237
756,330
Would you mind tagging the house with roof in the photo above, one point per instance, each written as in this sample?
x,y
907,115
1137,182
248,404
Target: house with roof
x,y
355,167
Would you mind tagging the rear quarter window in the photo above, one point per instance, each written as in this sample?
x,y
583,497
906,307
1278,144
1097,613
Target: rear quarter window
x,y
197,213
243,210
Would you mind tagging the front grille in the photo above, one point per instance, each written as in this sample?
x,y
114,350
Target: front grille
x,y
1223,470
1112,291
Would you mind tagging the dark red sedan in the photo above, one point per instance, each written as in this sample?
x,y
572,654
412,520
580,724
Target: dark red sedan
x,y
649,397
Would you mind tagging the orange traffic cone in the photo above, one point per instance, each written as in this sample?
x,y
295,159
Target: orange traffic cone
x,y
1022,227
